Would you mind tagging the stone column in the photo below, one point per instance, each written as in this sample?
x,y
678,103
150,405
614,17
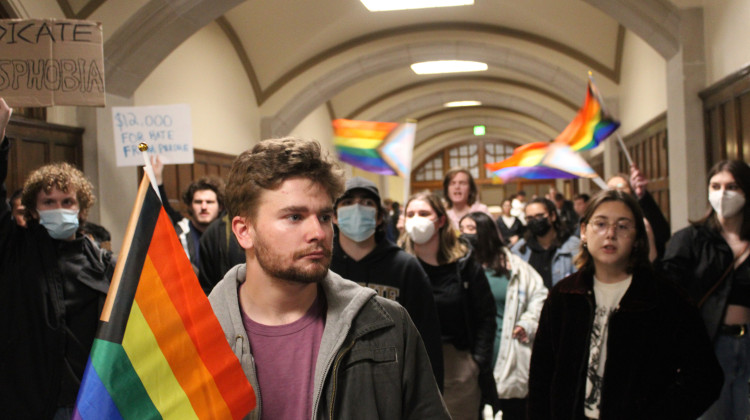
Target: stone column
x,y
686,76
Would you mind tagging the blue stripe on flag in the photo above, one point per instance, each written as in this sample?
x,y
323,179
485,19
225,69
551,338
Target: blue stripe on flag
x,y
96,402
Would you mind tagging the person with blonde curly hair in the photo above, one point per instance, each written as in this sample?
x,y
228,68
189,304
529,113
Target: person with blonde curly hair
x,y
54,281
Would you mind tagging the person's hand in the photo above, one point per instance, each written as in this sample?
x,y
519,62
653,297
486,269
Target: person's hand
x,y
5,112
520,334
158,167
638,181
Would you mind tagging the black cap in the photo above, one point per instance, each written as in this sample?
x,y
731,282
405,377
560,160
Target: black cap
x,y
359,183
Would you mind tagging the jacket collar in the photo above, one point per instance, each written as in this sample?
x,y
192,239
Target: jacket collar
x,y
641,295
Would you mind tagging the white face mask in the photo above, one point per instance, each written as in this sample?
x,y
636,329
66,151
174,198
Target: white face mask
x,y
726,203
420,229
60,223
357,222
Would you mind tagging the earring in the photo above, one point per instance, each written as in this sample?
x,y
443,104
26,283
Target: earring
x,y
585,244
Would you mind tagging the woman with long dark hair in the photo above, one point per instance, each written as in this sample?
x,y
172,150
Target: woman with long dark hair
x,y
519,295
617,340
462,297
710,259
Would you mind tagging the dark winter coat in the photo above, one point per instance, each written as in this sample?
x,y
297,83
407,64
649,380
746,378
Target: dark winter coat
x,y
660,362
48,319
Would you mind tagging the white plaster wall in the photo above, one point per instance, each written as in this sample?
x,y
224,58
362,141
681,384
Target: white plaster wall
x,y
316,126
726,32
205,73
643,85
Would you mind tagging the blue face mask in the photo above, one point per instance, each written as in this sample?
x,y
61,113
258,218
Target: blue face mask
x,y
60,223
357,222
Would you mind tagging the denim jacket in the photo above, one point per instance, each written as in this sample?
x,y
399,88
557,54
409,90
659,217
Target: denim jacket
x,y
562,261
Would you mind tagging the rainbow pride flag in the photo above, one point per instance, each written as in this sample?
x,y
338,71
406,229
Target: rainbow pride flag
x,y
383,148
160,351
591,125
542,160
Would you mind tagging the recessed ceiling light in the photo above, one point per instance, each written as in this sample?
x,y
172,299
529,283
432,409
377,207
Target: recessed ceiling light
x,y
384,5
461,103
447,66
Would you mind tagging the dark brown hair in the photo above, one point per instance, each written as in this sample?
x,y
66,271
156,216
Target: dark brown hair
x,y
741,174
472,186
271,162
639,253
211,183
489,250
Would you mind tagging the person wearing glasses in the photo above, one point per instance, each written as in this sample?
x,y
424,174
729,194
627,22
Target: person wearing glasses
x,y
547,245
710,260
617,340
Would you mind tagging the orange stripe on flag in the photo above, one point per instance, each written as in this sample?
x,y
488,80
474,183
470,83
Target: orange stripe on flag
x,y
198,319
178,350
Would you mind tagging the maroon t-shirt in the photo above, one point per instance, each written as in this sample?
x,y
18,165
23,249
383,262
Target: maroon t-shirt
x,y
285,357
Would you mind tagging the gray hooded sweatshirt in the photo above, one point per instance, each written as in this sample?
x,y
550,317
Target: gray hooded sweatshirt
x,y
372,363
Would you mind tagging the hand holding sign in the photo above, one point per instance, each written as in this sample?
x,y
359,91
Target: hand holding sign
x,y
166,129
5,112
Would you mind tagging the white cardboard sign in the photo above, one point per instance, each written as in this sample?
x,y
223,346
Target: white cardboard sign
x,y
165,129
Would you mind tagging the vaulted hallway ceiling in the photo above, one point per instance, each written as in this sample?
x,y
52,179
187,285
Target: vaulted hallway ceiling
x,y
300,55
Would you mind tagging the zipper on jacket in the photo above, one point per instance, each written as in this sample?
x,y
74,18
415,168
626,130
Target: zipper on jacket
x,y
585,363
335,375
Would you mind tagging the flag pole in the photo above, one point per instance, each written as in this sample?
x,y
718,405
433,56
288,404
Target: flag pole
x,y
143,147
617,135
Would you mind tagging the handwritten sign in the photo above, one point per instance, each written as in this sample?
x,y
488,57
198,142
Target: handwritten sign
x,y
166,129
46,62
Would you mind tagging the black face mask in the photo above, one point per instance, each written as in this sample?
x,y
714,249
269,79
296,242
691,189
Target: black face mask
x,y
471,238
539,227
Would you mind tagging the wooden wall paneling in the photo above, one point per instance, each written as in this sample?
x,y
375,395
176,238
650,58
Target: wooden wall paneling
x,y
725,106
649,150
730,129
744,129
36,143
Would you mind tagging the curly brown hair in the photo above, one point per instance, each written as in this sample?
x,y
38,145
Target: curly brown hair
x,y
63,176
212,183
271,162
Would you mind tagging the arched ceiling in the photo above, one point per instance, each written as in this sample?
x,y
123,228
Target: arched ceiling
x,y
302,55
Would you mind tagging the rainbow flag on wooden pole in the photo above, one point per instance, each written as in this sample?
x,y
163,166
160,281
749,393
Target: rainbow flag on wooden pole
x,y
383,148
591,125
160,351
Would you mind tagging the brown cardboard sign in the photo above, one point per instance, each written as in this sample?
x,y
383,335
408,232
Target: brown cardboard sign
x,y
45,62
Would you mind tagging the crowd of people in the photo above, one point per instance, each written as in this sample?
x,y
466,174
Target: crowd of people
x,y
342,304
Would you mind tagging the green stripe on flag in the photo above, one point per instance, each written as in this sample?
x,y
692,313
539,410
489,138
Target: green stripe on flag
x,y
123,384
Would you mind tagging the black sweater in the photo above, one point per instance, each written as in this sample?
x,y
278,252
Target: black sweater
x,y
398,276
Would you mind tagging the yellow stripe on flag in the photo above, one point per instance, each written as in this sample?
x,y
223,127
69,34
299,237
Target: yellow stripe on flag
x,y
149,363
357,143
177,347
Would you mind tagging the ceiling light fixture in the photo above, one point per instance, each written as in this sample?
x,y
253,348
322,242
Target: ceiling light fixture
x,y
447,66
455,104
385,5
